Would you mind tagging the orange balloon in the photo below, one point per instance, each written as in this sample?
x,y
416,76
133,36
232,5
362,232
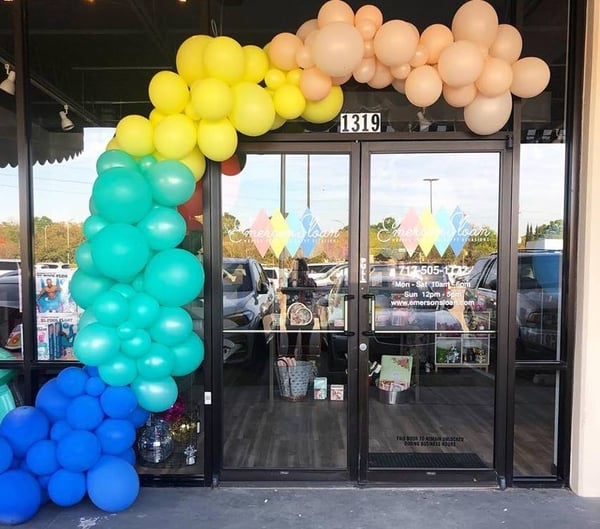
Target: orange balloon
x,y
401,72
508,44
435,38
282,51
314,84
420,57
337,49
459,97
461,63
335,11
307,28
369,49
304,58
396,42
423,86
399,85
496,77
487,115
477,21
365,71
366,28
382,77
369,12
338,81
531,76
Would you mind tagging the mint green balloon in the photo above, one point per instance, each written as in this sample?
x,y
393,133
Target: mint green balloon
x,y
156,364
111,308
85,288
172,183
138,345
143,310
96,344
155,395
172,326
188,355
164,227
114,158
92,225
120,371
84,259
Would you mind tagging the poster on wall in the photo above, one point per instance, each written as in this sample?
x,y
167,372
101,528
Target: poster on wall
x,y
57,314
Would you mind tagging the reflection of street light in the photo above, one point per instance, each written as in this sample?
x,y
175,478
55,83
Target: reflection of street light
x,y
45,237
431,181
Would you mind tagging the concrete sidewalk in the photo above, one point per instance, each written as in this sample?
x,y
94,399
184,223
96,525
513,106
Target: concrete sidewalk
x,y
334,508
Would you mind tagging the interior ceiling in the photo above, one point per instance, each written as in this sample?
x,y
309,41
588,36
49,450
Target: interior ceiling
x,y
99,56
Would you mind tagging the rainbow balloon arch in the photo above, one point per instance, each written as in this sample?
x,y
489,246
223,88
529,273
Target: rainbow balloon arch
x,y
132,279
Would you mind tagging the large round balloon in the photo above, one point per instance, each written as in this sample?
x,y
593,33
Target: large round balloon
x,y
112,484
188,355
475,21
459,97
171,182
78,450
96,344
52,401
496,77
337,49
111,308
460,63
189,58
435,38
335,11
118,371
508,44
92,225
163,228
217,139
41,457
212,98
143,310
253,112
423,86
138,345
71,381
175,136
289,101
314,85
120,251
155,395
122,195
118,402
6,455
114,158
22,427
224,59
257,63
115,436
84,413
531,76
168,92
172,326
85,287
487,115
135,135
174,277
396,42
326,109
20,497
156,364
282,50
67,488
84,259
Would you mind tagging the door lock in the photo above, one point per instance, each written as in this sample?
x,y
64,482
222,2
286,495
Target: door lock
x,y
363,347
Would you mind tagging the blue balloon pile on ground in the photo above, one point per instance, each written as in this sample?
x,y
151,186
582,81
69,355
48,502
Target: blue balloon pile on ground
x,y
77,440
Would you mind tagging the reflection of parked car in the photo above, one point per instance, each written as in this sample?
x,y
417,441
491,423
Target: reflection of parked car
x,y
10,314
247,298
538,301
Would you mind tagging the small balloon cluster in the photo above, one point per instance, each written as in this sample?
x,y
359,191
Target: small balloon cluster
x,y
132,281
221,88
77,440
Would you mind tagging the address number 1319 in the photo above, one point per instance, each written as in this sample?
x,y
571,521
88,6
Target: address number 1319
x,y
360,122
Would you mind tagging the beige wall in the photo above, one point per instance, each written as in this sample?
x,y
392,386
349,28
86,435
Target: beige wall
x,y
585,450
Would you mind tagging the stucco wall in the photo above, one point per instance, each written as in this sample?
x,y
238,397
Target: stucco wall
x,y
585,465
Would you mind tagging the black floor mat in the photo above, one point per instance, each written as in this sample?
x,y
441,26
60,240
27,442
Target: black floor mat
x,y
424,460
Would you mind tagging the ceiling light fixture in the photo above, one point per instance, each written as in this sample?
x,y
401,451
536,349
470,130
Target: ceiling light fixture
x,y
65,123
8,85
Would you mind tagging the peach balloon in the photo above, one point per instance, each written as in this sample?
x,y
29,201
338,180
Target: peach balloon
x,y
508,44
461,63
401,72
337,49
335,11
423,86
365,71
531,76
339,81
314,84
282,51
304,57
459,97
477,21
369,49
382,76
420,57
396,42
366,28
399,85
496,77
369,12
435,38
487,115
307,28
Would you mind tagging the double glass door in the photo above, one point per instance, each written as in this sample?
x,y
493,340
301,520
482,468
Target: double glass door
x,y
355,344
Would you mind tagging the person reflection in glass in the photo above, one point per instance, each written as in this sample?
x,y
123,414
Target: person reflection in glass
x,y
300,290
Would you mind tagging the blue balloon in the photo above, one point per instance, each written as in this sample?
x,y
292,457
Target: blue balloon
x,y
163,227
86,287
115,436
128,455
24,426
67,488
112,484
6,455
95,386
138,417
85,413
71,381
114,158
118,402
59,430
79,450
41,458
122,195
174,277
20,497
92,371
120,251
52,401
172,183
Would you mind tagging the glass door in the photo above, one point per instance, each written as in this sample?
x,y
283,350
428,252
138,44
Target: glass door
x,y
429,360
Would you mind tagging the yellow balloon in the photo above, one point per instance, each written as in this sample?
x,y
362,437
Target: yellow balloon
x,y
195,162
156,116
212,98
293,76
326,109
274,78
175,136
217,139
289,102
277,122
224,59
112,144
168,92
135,134
256,63
190,112
189,59
253,111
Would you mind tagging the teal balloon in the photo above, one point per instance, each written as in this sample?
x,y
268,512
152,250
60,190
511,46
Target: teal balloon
x,y
188,355
174,277
84,260
92,225
138,283
111,308
143,310
146,162
96,344
85,288
125,289
138,345
119,371
155,395
87,318
156,364
122,195
164,227
120,251
172,326
114,158
172,183
92,206
126,330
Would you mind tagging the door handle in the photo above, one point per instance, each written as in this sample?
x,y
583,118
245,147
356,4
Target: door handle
x,y
347,332
371,298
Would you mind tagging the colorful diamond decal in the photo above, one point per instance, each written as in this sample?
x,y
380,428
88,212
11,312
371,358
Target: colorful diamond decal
x,y
313,232
447,230
463,229
261,232
431,231
297,233
281,233
410,231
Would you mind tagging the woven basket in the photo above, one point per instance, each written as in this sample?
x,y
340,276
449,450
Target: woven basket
x,y
293,380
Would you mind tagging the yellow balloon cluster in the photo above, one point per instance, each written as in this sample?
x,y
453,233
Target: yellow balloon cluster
x,y
222,89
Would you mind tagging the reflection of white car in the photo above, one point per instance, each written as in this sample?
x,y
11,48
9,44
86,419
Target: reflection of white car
x,y
277,276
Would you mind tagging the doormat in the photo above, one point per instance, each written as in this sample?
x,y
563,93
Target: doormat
x,y
424,460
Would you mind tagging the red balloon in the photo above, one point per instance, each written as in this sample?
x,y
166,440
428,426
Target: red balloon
x,y
234,165
192,209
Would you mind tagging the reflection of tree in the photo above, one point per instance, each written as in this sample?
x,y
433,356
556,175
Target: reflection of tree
x,y
9,240
551,230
